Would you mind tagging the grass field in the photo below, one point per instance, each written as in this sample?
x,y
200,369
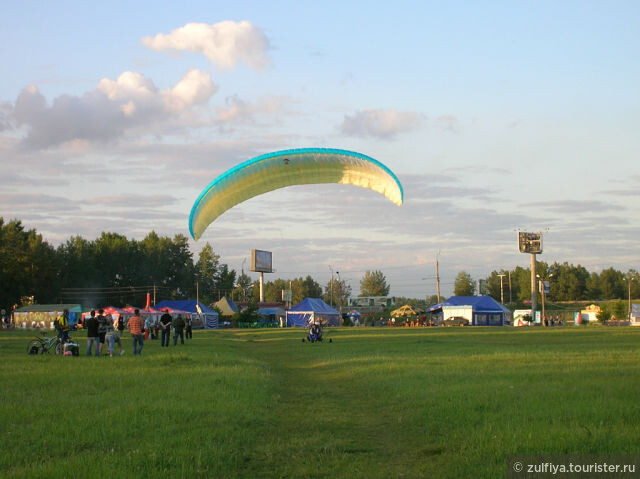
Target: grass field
x,y
374,403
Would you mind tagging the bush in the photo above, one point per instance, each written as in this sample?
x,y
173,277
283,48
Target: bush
x,y
605,313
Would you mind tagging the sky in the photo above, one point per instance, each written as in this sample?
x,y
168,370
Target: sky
x,y
495,116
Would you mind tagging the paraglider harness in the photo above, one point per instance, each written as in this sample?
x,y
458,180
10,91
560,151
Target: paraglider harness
x,y
315,333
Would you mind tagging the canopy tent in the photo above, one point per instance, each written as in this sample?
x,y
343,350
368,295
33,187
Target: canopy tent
x,y
202,316
43,315
406,310
479,310
227,307
116,313
312,310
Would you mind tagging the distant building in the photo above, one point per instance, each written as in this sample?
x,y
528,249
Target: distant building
x,y
589,314
43,315
635,315
478,310
370,304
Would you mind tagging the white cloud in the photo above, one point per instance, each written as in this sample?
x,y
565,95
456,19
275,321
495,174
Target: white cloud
x,y
380,123
240,111
129,85
224,44
194,88
132,101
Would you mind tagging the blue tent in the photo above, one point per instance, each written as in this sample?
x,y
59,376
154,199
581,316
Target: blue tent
x,y
312,310
208,316
485,311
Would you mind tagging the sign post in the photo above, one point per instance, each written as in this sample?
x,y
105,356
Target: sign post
x,y
261,262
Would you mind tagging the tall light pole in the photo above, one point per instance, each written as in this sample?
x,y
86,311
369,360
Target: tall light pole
x,y
438,277
534,290
501,290
629,278
339,292
531,243
331,287
542,293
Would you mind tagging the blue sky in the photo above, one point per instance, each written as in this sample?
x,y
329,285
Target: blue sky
x,y
495,116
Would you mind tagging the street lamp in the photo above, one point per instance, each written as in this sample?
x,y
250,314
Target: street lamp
x,y
542,294
501,290
628,279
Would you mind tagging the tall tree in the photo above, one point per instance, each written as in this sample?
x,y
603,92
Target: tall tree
x,y
243,290
28,266
182,283
463,285
337,292
374,283
306,288
612,284
225,281
206,274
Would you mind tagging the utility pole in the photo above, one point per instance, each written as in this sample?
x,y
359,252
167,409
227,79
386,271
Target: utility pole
x,y
501,289
339,292
438,277
197,294
331,287
154,294
542,293
629,278
510,300
534,288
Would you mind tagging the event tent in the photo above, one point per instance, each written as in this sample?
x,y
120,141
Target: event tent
x,y
227,307
479,310
312,310
196,309
43,315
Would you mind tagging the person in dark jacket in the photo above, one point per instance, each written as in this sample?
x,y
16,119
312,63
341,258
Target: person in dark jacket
x,y
178,329
165,325
91,325
188,332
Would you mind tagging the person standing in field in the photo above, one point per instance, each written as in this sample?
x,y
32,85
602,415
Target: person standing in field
x,y
111,336
102,327
187,330
62,326
91,325
120,325
165,325
178,330
135,328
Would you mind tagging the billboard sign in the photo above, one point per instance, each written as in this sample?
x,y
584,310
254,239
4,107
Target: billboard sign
x,y
261,261
544,287
530,242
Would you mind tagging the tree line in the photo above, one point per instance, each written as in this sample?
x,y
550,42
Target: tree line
x,y
567,282
115,270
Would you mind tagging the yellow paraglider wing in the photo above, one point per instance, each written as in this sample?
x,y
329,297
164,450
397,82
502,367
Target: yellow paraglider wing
x,y
303,166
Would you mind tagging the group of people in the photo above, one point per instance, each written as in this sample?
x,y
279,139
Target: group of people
x,y
5,319
555,321
100,329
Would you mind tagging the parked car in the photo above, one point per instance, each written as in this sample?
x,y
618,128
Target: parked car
x,y
455,321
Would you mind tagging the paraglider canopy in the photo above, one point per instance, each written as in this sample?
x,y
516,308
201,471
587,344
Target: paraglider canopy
x,y
287,168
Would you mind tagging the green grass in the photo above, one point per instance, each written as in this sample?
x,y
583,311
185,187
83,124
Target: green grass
x,y
375,403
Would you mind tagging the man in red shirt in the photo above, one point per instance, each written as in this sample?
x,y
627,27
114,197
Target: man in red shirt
x,y
136,328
